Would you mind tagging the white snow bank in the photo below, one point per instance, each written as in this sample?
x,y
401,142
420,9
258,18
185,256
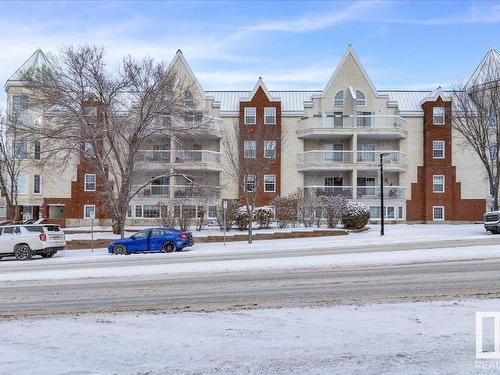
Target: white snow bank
x,y
294,262
408,338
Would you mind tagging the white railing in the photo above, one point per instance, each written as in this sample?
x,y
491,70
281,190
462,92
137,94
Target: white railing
x,y
337,121
178,191
394,192
379,122
180,156
327,157
328,191
373,157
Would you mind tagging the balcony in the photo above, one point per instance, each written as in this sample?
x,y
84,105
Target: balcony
x,y
321,160
390,192
343,126
328,191
394,160
178,191
182,159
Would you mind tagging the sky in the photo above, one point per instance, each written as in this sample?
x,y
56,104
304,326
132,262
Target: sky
x,y
291,44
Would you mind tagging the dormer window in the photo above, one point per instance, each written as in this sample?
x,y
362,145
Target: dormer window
x,y
438,115
188,99
250,115
360,98
338,100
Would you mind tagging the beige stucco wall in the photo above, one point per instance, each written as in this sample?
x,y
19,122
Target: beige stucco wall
x,y
412,145
291,179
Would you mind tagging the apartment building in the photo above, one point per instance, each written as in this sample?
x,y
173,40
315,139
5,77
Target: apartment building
x,y
329,143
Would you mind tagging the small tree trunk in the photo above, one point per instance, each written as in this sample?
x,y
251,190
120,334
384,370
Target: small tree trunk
x,y
119,226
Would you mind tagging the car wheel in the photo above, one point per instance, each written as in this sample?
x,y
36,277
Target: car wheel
x,y
23,252
168,247
119,250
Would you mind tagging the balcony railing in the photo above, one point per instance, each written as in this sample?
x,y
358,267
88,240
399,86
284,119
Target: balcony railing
x,y
336,121
393,192
373,157
328,191
326,157
178,191
180,156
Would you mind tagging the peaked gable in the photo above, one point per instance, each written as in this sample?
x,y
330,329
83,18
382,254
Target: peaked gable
x,y
349,56
180,65
488,67
36,61
260,84
433,96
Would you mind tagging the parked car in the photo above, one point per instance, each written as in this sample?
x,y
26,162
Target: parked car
x,y
492,221
25,241
152,240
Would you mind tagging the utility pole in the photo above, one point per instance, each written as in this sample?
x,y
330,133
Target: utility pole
x,y
224,206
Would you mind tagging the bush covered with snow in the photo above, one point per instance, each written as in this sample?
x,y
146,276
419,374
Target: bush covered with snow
x,y
242,218
263,217
286,211
355,215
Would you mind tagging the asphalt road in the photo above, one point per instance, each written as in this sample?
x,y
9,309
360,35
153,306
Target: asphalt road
x,y
257,289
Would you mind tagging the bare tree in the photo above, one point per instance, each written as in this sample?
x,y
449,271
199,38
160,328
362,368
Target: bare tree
x,y
248,167
11,160
476,106
105,115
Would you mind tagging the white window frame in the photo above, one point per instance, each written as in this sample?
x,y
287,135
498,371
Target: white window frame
x,y
35,143
273,115
434,143
434,213
338,102
360,102
85,182
26,179
246,115
434,183
15,149
254,183
273,149
212,207
273,176
85,211
434,115
39,182
249,149
135,211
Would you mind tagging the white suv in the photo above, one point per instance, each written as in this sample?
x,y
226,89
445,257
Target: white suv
x,y
24,241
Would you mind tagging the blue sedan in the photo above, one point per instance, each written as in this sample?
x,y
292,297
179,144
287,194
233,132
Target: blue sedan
x,y
153,240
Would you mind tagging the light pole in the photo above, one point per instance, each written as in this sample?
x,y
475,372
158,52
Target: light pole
x,y
224,206
382,154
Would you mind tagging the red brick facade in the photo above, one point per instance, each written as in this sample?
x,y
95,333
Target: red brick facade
x,y
420,207
74,206
261,132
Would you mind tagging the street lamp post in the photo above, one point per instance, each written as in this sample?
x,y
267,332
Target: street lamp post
x,y
224,207
382,154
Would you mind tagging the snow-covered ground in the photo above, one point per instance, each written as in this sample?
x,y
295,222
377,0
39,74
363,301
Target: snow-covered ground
x,y
393,231
408,338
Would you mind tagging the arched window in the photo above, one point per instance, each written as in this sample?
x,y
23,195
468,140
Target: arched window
x,y
338,100
188,98
360,98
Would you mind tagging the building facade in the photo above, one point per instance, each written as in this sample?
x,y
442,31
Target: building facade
x,y
324,142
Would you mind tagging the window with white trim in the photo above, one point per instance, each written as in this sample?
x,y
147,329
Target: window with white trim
x,y
270,149
249,149
438,115
188,98
150,211
250,183
37,150
89,149
438,149
269,115
89,211
129,212
250,115
360,98
19,150
138,210
37,184
338,100
22,183
438,183
90,182
212,212
20,109
269,183
400,212
438,213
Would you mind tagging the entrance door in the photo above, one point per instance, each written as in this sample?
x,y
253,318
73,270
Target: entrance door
x,y
334,152
366,186
366,152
